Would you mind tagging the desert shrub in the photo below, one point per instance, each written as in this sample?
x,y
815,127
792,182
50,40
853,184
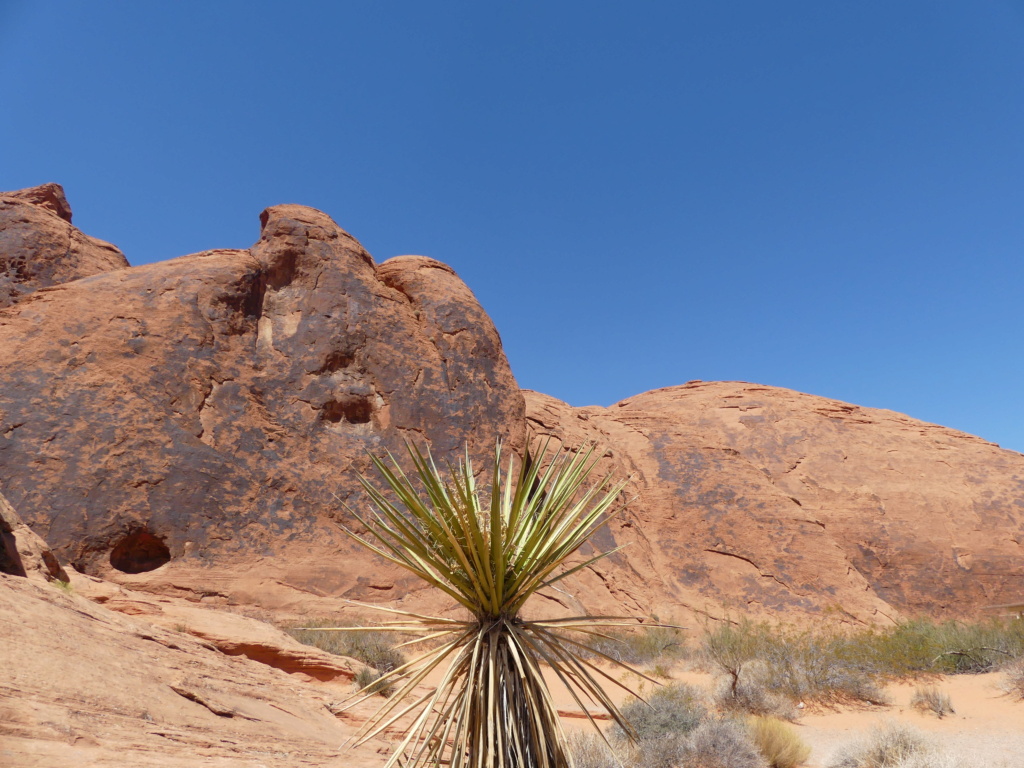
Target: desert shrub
x,y
891,746
371,681
675,729
671,710
928,698
765,666
722,744
374,648
713,743
777,742
762,664
1013,678
751,692
670,750
949,647
589,750
655,646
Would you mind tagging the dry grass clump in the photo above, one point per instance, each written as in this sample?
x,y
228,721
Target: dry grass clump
x,y
1013,678
778,742
657,646
891,746
928,698
374,648
590,750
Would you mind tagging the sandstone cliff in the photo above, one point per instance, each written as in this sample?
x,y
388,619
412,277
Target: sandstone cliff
x,y
216,407
195,426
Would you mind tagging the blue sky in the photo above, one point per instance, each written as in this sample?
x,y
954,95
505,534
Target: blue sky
x,y
824,196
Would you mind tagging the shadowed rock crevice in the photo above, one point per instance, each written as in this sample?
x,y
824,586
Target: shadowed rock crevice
x,y
22,552
139,552
10,560
335,361
354,409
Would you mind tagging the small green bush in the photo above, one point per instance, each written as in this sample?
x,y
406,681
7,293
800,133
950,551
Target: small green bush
x,y
761,662
778,743
928,698
949,647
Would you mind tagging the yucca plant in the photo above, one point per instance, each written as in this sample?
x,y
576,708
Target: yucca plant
x,y
490,550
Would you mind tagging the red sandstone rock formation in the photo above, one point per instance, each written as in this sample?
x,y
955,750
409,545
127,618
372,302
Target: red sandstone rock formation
x,y
22,552
86,686
757,499
194,427
40,248
219,405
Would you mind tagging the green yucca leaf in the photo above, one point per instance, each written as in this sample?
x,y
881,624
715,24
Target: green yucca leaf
x,y
489,551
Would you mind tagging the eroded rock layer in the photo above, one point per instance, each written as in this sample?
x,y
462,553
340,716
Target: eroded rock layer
x,y
752,498
219,405
195,428
39,247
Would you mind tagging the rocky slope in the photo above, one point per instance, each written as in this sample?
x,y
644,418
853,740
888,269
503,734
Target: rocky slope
x,y
194,428
214,409
750,498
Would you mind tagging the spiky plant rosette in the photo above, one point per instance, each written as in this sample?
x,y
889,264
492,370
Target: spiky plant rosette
x,y
490,550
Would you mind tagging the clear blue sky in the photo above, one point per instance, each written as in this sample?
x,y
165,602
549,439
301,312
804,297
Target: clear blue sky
x,y
826,196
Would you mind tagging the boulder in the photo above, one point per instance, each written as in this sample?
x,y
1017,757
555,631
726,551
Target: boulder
x,y
22,552
40,248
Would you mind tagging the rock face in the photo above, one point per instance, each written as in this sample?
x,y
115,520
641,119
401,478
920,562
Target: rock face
x,y
757,499
39,247
219,404
195,427
22,552
86,686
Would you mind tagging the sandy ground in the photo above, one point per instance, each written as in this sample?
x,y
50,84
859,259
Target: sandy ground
x,y
986,731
